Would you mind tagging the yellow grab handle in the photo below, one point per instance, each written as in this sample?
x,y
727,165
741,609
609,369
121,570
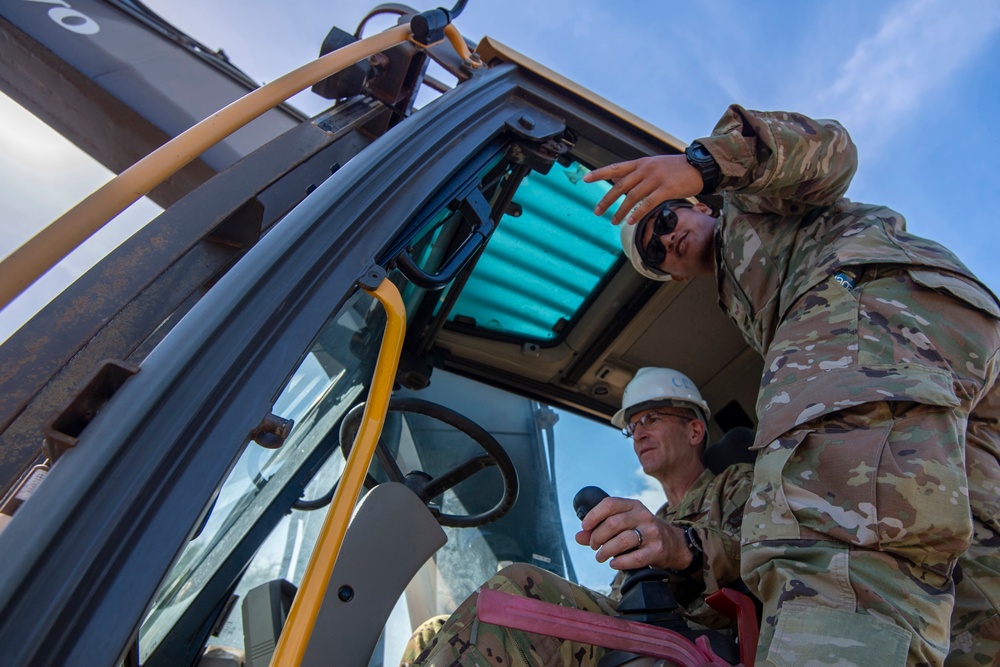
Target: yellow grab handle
x,y
298,628
44,250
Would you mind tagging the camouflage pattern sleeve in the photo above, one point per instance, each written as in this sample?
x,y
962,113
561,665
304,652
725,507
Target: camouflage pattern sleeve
x,y
786,161
719,529
714,507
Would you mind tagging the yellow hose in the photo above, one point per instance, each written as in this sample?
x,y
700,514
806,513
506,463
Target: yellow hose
x,y
29,262
458,43
298,628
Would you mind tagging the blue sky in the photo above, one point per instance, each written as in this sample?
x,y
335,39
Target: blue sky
x,y
917,83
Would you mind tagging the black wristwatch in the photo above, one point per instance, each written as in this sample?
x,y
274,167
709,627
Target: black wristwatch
x,y
699,158
693,543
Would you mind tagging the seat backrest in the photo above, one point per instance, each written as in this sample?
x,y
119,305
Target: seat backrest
x,y
733,447
391,536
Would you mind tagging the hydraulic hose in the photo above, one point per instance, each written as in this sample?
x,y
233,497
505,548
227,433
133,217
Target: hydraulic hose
x,y
458,43
40,253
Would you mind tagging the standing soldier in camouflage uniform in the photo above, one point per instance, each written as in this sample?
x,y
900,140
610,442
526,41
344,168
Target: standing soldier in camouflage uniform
x,y
666,417
877,477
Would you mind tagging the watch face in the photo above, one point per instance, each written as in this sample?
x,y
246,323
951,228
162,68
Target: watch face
x,y
699,158
698,153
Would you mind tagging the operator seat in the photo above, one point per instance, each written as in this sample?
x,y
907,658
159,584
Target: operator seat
x,y
733,447
393,533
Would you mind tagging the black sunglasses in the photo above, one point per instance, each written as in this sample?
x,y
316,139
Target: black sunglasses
x,y
664,220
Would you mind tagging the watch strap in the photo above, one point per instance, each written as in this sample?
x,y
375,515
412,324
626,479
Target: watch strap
x,y
699,158
693,543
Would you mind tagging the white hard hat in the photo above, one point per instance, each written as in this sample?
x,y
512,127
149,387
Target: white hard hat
x,y
657,387
630,244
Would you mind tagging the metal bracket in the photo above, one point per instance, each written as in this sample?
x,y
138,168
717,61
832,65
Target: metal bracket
x,y
545,138
272,431
372,277
532,123
63,431
477,211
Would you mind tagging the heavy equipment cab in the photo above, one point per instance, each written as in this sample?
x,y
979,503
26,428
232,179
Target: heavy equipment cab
x,y
210,377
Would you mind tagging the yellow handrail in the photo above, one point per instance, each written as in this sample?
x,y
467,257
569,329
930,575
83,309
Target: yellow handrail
x,y
302,618
40,253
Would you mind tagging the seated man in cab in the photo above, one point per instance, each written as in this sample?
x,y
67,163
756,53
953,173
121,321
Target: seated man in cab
x,y
694,536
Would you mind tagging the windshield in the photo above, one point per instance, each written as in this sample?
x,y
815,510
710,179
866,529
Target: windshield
x,y
329,380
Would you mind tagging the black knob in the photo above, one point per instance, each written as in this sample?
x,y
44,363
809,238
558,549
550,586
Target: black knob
x,y
587,499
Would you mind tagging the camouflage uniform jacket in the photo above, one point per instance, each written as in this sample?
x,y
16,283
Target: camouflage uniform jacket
x,y
785,229
714,506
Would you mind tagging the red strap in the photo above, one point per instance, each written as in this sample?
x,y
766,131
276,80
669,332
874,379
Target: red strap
x,y
521,613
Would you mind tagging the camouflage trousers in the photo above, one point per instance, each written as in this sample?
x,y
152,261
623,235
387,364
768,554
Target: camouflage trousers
x,y
422,638
463,640
871,533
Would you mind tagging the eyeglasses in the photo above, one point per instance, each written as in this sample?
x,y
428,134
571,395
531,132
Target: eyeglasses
x,y
648,419
664,220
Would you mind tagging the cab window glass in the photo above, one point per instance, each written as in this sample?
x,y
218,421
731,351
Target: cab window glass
x,y
548,254
333,376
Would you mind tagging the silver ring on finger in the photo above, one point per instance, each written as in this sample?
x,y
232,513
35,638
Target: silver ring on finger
x,y
639,535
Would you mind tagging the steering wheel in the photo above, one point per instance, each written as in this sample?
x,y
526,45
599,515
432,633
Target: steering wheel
x,y
427,487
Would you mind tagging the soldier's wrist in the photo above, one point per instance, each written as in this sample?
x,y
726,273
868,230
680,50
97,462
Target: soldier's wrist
x,y
693,544
699,158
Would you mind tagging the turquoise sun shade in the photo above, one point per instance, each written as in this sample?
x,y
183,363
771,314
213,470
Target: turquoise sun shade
x,y
539,267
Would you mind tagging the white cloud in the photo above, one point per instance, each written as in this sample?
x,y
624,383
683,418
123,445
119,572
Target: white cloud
x,y
646,490
41,176
36,162
915,51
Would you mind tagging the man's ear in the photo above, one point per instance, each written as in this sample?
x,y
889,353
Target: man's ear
x,y
702,207
698,434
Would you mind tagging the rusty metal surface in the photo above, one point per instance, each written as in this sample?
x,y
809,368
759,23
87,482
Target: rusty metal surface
x,y
137,291
42,383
